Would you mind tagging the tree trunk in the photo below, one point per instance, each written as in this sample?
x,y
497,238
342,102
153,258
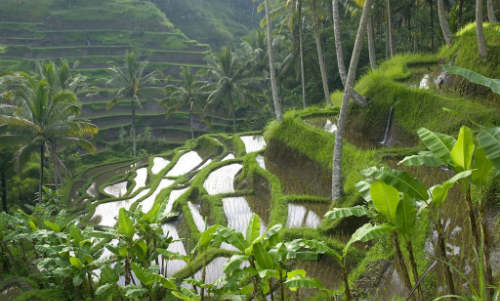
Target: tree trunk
x,y
347,290
414,266
42,155
232,111
460,14
321,61
274,87
486,250
337,187
359,99
432,24
191,123
443,22
389,28
491,11
133,130
371,45
4,189
481,40
301,49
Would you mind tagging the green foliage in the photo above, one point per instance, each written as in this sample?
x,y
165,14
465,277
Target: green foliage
x,y
476,78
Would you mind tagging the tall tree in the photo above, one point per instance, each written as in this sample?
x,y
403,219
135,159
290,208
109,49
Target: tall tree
x,y
491,11
274,87
41,119
443,22
390,42
231,77
371,44
481,40
337,186
130,82
301,51
319,49
189,92
359,99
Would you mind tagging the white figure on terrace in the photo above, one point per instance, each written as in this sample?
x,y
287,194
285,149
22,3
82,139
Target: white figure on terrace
x,y
425,83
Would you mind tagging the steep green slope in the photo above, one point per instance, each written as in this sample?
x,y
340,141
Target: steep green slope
x,y
97,34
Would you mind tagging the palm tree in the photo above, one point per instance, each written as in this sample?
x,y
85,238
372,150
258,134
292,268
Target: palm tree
x,y
337,187
40,120
131,81
319,49
443,22
189,93
371,45
359,99
274,87
481,40
230,77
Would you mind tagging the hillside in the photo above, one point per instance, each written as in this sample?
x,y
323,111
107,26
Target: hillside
x,y
97,34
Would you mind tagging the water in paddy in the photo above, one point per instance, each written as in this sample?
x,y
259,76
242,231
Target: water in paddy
x,y
116,190
148,203
222,180
185,164
303,215
108,212
159,164
140,178
197,217
174,195
238,214
92,190
261,161
253,143
228,157
176,246
204,165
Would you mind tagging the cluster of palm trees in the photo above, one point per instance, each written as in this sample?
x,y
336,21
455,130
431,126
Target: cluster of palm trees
x,y
41,114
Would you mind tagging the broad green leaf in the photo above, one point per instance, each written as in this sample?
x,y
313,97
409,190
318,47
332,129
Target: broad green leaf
x,y
253,228
475,78
367,232
230,236
234,264
143,275
76,263
134,292
463,151
206,237
262,257
401,180
338,213
406,216
269,273
426,158
303,282
439,192
104,289
489,140
77,280
52,226
125,225
298,272
109,274
385,198
76,234
439,144
481,168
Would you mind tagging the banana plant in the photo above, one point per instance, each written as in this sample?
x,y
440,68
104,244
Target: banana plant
x,y
481,154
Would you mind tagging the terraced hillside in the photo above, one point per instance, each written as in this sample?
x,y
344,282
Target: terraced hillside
x,y
97,34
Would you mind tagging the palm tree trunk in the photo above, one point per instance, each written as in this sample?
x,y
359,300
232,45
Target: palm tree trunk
x,y
359,99
443,22
42,155
491,11
389,28
133,130
481,40
274,87
191,123
301,49
4,189
319,49
431,3
337,187
232,111
460,14
371,45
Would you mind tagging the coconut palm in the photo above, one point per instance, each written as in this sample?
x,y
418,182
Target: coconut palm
x,y
189,93
130,82
230,76
40,121
337,187
319,49
390,42
491,11
274,87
